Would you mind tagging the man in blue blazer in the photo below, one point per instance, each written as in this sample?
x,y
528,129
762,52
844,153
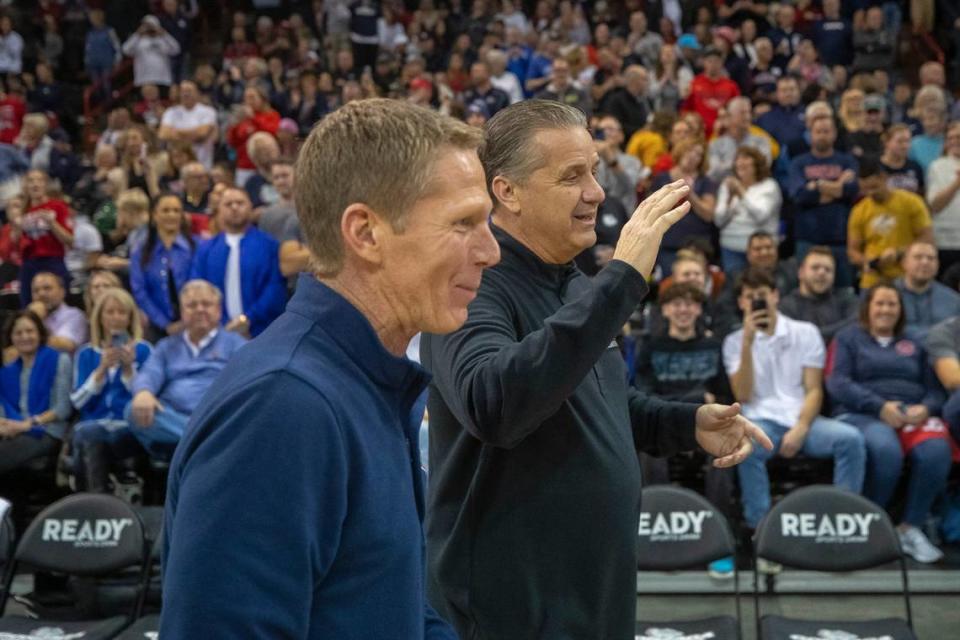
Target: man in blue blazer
x,y
242,262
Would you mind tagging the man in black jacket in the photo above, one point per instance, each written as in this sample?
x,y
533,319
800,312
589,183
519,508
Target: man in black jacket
x,y
535,483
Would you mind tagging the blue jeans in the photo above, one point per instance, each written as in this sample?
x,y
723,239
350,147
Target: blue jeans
x,y
929,467
827,438
161,438
733,261
844,273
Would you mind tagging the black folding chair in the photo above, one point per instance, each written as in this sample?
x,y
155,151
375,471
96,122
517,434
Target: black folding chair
x,y
680,529
148,627
823,528
84,535
7,539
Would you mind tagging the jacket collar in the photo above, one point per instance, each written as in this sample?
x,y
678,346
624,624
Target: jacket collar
x,y
354,335
516,253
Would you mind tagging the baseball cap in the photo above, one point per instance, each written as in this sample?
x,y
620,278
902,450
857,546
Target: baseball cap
x,y
153,21
873,102
688,41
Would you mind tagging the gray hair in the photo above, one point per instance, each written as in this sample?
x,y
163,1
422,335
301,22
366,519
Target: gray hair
x,y
198,284
510,149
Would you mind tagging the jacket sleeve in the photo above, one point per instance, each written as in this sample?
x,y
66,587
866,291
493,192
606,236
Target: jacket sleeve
x,y
935,397
130,46
138,285
271,289
500,387
848,306
840,383
255,435
435,627
661,427
153,374
198,265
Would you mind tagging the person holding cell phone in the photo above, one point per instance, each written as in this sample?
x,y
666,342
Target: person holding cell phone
x,y
103,378
775,365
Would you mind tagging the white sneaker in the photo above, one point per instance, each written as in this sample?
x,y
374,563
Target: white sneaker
x,y
917,546
768,567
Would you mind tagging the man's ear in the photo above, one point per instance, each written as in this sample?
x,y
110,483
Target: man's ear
x,y
362,231
505,192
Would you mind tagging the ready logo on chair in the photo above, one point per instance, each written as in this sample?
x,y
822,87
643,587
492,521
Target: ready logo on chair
x,y
828,634
834,528
658,633
101,532
673,526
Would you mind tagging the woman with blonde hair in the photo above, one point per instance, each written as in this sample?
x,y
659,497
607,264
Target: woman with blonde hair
x,y
100,280
851,111
103,379
690,165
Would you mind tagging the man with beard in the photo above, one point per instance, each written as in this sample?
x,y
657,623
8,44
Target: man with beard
x,y
535,482
815,300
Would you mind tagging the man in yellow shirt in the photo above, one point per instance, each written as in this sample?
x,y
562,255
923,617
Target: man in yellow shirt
x,y
883,224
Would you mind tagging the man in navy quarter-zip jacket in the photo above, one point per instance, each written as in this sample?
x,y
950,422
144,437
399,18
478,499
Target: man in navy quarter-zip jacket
x,y
296,497
534,478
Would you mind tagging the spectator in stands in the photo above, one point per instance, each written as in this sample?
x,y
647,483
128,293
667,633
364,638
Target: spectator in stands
x,y
943,348
928,145
925,301
501,78
689,164
196,189
34,415
242,262
43,233
263,150
306,105
723,148
748,201
762,255
630,103
833,35
128,231
943,194
618,172
83,253
103,378
775,365
764,74
151,49
161,266
867,141
713,319
117,124
11,48
881,383
169,163
275,218
191,121
101,52
255,115
139,171
562,88
874,45
711,89
902,171
785,121
34,142
483,89
66,326
815,299
670,84
823,185
882,225
100,281
13,163
174,378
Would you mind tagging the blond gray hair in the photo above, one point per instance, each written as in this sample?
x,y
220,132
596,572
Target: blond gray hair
x,y
204,285
378,152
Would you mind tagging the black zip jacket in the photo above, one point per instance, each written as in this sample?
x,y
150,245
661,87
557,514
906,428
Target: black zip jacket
x,y
534,488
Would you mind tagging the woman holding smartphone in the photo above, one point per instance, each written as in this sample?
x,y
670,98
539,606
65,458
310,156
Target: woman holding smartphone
x,y
880,382
104,374
34,393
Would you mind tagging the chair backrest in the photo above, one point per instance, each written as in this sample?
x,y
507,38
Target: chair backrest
x,y
680,529
7,538
85,534
823,528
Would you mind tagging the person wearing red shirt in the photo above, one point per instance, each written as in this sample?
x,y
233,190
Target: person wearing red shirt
x,y
12,110
711,89
43,232
255,115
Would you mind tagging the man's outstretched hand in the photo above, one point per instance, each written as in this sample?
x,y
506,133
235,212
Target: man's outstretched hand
x,y
726,435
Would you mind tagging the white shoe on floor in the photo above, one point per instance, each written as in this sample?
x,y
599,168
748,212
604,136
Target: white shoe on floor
x,y
768,567
917,546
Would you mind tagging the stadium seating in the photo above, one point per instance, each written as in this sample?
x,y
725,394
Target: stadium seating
x,y
822,528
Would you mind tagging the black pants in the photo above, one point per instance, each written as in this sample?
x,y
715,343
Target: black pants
x,y
17,451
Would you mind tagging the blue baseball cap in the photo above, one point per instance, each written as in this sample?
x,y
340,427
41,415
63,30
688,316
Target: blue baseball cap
x,y
688,41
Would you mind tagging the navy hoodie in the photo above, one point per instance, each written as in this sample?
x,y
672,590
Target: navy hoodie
x,y
295,497
816,222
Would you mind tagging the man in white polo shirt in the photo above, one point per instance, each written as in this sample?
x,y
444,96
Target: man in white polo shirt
x,y
775,365
191,121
